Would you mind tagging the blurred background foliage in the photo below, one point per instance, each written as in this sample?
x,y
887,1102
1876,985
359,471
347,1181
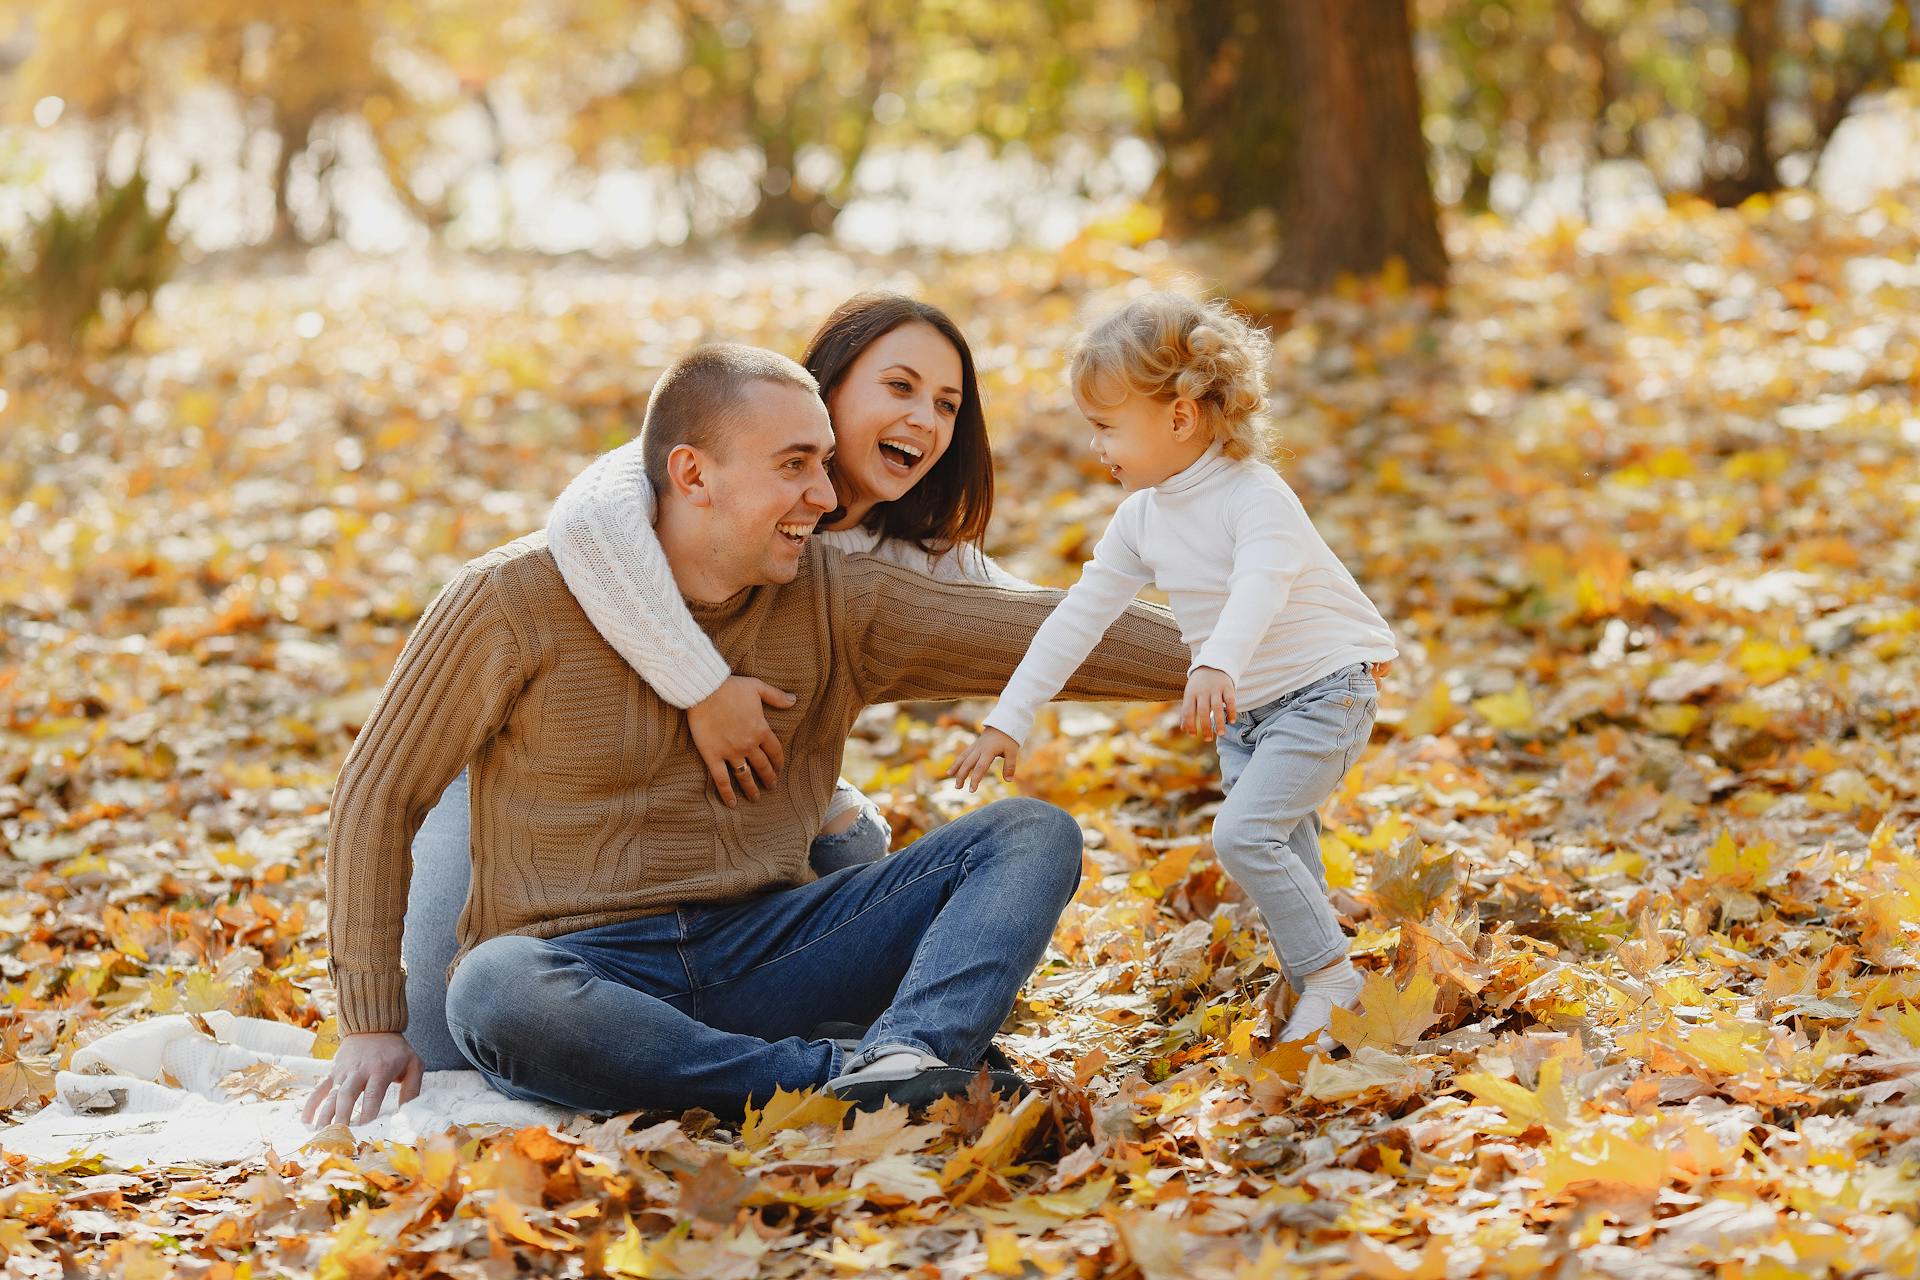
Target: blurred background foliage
x,y
1329,135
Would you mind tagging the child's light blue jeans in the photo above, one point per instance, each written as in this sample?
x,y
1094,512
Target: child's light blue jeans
x,y
438,892
1278,764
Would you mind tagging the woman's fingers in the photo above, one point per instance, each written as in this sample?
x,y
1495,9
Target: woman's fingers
x,y
722,776
775,753
743,778
762,767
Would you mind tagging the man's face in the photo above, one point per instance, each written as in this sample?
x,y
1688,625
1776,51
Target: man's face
x,y
769,483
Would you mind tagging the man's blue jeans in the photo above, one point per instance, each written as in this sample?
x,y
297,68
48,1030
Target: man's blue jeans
x,y
443,872
713,1006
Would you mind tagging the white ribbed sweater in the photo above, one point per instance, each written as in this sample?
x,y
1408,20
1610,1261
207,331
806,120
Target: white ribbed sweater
x,y
1255,588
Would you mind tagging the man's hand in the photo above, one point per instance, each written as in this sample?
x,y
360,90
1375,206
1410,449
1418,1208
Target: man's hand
x,y
1209,703
730,732
974,763
362,1069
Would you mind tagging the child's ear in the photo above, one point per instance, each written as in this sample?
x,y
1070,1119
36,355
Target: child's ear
x,y
1186,419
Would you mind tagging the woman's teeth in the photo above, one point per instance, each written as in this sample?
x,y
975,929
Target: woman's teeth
x,y
900,453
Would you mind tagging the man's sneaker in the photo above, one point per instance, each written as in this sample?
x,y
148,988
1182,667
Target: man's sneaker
x,y
922,1088
848,1036
905,1075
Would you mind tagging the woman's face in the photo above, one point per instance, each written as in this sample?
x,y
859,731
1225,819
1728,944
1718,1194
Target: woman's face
x,y
893,414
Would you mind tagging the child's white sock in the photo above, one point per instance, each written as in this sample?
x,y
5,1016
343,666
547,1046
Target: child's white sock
x,y
1336,985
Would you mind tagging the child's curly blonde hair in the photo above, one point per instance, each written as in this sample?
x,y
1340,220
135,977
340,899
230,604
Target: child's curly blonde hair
x,y
1170,347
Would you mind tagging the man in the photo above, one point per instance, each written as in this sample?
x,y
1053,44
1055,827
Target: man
x,y
629,941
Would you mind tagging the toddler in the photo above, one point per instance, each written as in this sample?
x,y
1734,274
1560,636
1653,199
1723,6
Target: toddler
x,y
1285,644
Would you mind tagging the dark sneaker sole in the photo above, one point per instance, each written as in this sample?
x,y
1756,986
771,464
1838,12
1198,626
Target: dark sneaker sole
x,y
927,1088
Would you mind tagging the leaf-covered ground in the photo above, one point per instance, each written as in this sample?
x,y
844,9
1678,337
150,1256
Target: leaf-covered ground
x,y
1631,861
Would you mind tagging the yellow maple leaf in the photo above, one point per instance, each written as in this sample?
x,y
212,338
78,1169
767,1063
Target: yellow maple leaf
x,y
1603,1160
1765,662
1674,719
1005,1257
791,1109
1510,712
1388,1016
1433,713
1736,865
1367,1069
999,1144
1545,1104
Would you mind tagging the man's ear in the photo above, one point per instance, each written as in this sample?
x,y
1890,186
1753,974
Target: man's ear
x,y
1186,419
686,473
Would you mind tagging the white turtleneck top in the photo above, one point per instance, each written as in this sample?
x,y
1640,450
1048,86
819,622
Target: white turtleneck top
x,y
1256,590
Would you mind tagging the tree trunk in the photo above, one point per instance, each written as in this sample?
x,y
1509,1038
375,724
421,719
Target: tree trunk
x,y
787,209
1356,192
1758,35
1227,149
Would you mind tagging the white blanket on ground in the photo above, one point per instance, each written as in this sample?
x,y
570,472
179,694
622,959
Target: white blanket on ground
x,y
119,1098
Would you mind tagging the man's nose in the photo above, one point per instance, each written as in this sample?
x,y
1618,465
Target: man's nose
x,y
820,492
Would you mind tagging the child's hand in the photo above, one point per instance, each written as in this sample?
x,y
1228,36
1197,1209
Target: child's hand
x,y
973,763
1209,703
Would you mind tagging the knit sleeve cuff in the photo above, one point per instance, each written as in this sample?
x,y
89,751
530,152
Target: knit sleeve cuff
x,y
696,680
371,1001
1015,722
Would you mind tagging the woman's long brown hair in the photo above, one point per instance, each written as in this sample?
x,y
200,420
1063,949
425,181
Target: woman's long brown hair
x,y
953,502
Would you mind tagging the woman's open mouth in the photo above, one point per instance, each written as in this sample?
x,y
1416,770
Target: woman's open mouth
x,y
900,456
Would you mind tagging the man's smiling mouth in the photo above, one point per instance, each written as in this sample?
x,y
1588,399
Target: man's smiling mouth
x,y
795,533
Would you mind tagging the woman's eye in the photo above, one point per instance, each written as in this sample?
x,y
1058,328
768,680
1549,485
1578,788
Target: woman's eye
x,y
949,408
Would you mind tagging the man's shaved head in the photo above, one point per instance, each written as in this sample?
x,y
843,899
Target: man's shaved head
x,y
697,401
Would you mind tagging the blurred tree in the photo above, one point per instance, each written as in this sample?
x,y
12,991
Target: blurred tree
x,y
1712,97
1355,191
289,64
802,92
1228,145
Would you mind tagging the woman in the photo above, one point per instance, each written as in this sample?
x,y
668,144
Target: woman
x,y
914,478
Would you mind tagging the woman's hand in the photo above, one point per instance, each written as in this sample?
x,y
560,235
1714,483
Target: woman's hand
x,y
363,1067
1209,703
730,732
973,763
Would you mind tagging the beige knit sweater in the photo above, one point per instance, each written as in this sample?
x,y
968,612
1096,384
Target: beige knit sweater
x,y
590,803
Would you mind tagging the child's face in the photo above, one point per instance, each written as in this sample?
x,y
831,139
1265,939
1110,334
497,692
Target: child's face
x,y
1142,441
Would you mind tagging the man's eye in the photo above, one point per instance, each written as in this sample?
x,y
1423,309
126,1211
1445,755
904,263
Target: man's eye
x,y
900,384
